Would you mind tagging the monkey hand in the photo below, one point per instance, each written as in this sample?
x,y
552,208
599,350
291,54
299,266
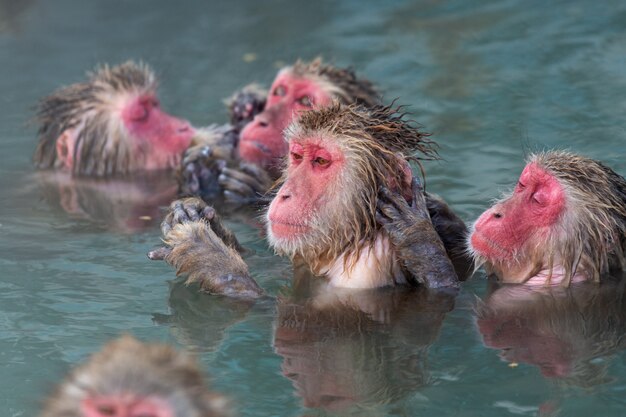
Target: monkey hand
x,y
247,185
412,234
245,104
200,247
199,171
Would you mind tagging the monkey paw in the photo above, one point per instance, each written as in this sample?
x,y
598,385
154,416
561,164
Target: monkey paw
x,y
199,172
397,216
246,185
246,104
191,210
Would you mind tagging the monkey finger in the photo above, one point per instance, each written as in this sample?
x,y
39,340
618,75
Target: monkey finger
x,y
393,199
249,180
159,254
381,219
236,198
388,210
418,193
236,186
208,213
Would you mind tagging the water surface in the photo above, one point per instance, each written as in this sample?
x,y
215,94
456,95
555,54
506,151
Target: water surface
x,y
493,81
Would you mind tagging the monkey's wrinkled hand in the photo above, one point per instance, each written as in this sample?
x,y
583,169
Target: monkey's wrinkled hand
x,y
412,233
245,104
199,172
247,185
200,247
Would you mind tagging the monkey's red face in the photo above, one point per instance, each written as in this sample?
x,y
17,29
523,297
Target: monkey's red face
x,y
503,232
261,141
314,168
126,406
157,138
158,135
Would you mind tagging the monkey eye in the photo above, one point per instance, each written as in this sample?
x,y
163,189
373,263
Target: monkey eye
x,y
520,185
321,161
296,156
280,91
139,114
305,101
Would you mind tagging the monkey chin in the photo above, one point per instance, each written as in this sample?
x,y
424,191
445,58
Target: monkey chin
x,y
486,248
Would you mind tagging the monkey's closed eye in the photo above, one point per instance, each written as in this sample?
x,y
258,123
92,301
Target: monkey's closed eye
x,y
140,114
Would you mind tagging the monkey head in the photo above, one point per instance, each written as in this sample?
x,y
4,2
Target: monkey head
x,y
111,124
566,219
128,378
339,157
301,87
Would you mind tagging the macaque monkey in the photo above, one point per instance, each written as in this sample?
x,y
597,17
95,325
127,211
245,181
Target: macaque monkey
x,y
346,206
128,378
113,125
261,148
564,222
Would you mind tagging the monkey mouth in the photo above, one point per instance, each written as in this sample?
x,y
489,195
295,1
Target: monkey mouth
x,y
287,230
484,246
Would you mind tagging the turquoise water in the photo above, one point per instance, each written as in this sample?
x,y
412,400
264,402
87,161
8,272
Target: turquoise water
x,y
493,81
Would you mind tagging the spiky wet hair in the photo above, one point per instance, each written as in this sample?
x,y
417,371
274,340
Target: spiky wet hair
x,y
101,147
127,365
376,144
591,235
342,82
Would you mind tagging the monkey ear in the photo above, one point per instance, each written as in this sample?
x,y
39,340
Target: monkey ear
x,y
65,148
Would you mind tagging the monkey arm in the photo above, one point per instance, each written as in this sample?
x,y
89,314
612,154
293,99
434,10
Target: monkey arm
x,y
411,231
200,247
453,233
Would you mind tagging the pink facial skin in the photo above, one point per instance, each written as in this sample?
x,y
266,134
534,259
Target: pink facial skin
x,y
159,135
125,406
261,141
313,166
535,206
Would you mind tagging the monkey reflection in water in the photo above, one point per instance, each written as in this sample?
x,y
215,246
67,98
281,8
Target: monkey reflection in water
x,y
562,331
116,204
365,350
349,351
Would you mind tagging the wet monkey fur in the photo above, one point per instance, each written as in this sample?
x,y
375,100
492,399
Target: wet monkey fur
x,y
346,205
128,378
565,221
